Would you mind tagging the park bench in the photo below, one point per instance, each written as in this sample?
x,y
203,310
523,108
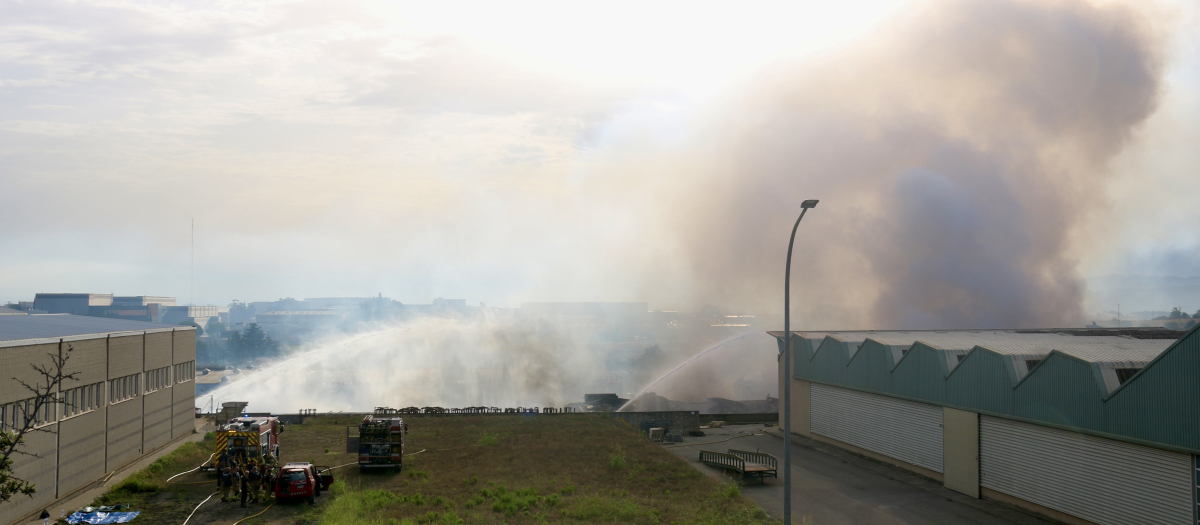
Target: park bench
x,y
749,464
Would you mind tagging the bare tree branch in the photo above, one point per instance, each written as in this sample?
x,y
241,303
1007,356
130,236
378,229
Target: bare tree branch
x,y
37,412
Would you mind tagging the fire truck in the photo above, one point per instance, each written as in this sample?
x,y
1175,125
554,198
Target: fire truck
x,y
381,442
247,438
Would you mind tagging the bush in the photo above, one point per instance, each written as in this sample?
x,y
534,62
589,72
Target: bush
x,y
616,460
136,484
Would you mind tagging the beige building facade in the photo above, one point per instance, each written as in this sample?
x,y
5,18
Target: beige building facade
x,y
133,392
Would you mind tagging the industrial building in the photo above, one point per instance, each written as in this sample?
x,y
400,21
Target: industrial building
x,y
134,393
1082,426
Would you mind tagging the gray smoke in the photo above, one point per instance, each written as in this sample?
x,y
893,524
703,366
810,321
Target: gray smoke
x,y
953,153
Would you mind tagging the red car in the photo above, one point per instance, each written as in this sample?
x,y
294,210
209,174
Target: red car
x,y
301,480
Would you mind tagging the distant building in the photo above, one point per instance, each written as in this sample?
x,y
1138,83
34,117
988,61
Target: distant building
x,y
71,303
1080,425
188,314
4,310
288,325
134,394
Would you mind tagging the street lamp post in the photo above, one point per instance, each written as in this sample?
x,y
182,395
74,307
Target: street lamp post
x,y
787,367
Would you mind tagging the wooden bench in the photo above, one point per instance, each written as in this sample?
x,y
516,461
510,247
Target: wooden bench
x,y
749,464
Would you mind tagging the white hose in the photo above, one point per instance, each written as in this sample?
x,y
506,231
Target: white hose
x,y
210,456
198,507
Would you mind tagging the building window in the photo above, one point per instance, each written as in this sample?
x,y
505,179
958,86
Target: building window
x,y
1123,374
185,371
123,388
157,379
81,399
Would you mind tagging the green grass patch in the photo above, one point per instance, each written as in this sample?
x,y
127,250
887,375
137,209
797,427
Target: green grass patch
x,y
610,509
489,439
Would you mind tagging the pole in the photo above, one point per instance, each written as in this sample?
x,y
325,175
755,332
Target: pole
x,y
192,299
787,367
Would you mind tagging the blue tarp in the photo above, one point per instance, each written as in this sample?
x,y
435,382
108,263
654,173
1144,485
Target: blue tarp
x,y
102,517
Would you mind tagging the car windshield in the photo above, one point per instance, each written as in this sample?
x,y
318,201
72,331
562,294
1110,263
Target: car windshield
x,y
295,475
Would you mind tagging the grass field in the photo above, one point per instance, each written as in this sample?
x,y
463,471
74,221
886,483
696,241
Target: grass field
x,y
467,469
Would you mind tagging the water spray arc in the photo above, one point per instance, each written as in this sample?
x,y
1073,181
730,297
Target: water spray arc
x,y
787,367
680,367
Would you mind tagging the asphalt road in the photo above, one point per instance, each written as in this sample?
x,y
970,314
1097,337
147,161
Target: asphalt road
x,y
834,487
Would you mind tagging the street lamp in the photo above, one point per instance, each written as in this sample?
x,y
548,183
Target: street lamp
x,y
787,367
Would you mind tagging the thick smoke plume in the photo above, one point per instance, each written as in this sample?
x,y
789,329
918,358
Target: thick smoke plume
x,y
954,151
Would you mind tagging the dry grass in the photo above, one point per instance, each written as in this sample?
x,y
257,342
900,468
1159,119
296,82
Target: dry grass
x,y
488,469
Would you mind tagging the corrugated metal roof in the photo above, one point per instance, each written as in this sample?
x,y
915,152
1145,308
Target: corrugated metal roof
x,y
1092,348
20,327
4,310
1063,378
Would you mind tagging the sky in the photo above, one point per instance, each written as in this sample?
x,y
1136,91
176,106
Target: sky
x,y
979,162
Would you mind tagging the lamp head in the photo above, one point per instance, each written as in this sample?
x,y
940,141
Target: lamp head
x,y
811,203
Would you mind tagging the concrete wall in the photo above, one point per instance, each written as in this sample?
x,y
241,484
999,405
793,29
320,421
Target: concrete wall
x,y
960,451
38,469
15,362
156,423
183,409
158,350
110,436
124,432
88,361
81,449
124,355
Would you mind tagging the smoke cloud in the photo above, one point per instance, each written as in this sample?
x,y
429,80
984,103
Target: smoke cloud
x,y
954,152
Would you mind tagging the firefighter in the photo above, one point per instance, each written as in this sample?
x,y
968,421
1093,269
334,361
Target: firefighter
x,y
226,481
267,483
245,487
255,479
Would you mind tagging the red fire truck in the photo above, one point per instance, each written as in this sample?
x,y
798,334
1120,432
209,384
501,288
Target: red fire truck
x,y
247,438
381,442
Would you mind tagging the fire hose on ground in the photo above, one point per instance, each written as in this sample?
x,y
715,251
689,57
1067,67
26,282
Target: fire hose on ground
x,y
198,506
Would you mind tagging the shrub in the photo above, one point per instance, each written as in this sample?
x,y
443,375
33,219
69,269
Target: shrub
x,y
616,460
731,492
136,484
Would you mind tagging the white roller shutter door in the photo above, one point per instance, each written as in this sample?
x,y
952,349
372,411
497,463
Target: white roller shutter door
x,y
1101,480
908,431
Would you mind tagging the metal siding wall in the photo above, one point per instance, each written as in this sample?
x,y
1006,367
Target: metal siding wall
x,y
908,431
1159,405
39,470
124,432
157,419
1101,480
82,449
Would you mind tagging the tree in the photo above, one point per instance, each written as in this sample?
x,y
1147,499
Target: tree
x,y
1196,315
46,398
253,340
1176,313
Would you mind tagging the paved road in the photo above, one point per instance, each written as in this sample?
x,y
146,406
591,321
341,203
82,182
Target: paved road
x,y
833,487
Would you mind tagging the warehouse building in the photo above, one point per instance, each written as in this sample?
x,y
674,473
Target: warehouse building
x,y
1082,426
134,393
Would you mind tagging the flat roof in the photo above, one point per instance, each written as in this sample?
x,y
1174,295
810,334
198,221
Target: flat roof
x,y
1093,345
47,326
